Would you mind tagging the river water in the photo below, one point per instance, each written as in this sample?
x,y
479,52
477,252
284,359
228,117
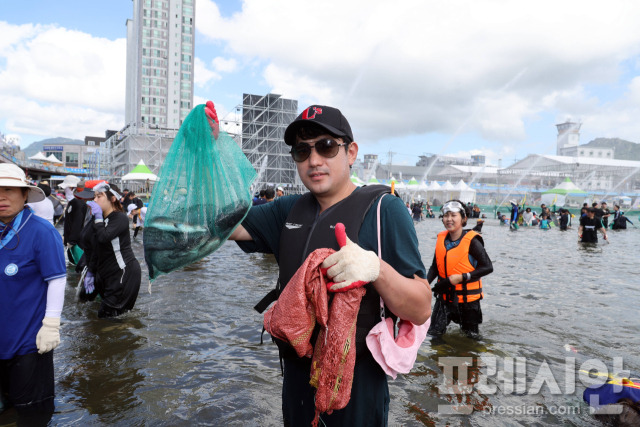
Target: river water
x,y
190,353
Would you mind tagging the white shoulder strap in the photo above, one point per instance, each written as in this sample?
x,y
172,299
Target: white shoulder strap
x,y
380,252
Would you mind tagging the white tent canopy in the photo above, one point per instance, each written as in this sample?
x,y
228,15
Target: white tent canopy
x,y
53,159
39,156
434,186
565,193
447,186
413,185
466,193
357,181
447,191
399,184
373,180
140,173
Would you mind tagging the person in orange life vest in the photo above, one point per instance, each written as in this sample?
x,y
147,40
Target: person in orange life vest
x,y
459,262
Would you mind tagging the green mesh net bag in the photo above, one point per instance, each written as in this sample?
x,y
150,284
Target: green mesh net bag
x,y
202,194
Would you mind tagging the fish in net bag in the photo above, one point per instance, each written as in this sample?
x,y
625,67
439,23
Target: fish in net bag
x,y
202,194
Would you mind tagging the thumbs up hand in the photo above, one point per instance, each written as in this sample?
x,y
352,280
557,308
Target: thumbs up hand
x,y
350,267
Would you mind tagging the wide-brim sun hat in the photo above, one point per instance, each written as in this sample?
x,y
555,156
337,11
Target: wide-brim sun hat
x,y
69,181
12,176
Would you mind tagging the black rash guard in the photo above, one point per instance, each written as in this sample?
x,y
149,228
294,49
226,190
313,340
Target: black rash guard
x,y
113,245
476,250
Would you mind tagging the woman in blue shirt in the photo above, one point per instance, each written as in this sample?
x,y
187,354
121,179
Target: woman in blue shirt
x,y
33,277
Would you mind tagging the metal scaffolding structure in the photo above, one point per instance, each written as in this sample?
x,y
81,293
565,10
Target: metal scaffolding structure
x,y
264,120
124,149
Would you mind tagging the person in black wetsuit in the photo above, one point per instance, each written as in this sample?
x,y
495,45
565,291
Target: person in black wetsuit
x,y
619,220
565,216
113,271
589,226
606,213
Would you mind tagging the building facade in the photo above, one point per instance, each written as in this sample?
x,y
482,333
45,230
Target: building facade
x,y
160,57
159,86
568,143
76,157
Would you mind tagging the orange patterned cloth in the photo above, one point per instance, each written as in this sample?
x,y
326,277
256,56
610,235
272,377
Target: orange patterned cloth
x,y
303,304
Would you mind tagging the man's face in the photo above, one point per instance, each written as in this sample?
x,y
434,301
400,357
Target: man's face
x,y
11,202
326,176
591,214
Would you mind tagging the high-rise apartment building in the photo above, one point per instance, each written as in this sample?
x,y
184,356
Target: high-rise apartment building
x,y
160,46
159,91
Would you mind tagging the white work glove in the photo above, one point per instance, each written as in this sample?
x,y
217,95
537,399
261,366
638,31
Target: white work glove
x,y
350,267
48,337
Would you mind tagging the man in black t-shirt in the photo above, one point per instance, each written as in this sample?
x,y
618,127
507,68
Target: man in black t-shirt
x,y
417,212
589,225
583,211
598,211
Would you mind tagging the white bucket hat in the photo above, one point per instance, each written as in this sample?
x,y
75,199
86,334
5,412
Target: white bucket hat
x,y
12,176
69,181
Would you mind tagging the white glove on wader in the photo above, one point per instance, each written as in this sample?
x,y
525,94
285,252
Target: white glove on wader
x,y
48,337
350,267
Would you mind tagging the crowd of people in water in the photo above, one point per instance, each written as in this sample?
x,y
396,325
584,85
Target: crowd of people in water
x,y
369,243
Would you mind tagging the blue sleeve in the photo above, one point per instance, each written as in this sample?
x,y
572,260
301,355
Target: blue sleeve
x,y
264,224
398,234
49,253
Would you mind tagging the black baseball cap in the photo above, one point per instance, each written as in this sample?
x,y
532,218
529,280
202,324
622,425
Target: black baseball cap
x,y
328,118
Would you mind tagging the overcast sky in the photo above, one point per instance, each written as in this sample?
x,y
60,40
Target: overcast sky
x,y
412,77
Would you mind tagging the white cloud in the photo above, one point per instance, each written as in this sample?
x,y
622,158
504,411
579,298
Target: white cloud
x,y
223,65
56,81
202,75
420,67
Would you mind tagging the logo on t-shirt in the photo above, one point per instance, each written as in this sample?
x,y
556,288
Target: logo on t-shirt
x,y
292,226
11,269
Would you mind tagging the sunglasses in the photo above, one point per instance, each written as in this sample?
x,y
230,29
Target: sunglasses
x,y
325,147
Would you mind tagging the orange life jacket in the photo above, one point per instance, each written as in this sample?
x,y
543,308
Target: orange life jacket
x,y
456,261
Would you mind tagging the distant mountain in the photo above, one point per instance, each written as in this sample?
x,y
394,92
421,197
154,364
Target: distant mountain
x,y
34,147
625,150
